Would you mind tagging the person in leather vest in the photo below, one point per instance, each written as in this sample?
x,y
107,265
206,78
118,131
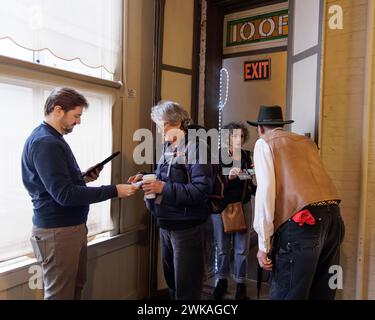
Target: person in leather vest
x,y
297,214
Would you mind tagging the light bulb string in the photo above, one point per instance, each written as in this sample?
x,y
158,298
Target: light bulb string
x,y
221,103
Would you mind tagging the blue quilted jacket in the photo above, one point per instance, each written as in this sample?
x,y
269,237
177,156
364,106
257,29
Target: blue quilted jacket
x,y
184,196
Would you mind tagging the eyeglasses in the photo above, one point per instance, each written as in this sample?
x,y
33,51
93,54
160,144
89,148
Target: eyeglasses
x,y
162,124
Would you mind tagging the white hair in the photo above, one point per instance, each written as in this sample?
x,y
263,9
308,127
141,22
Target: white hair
x,y
171,112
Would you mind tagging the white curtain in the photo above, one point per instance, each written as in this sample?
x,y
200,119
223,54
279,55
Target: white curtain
x,y
21,104
88,31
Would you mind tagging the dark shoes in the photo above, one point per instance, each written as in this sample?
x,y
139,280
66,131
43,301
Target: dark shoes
x,y
240,292
220,289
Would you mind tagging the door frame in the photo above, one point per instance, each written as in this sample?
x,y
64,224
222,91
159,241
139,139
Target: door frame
x,y
158,68
292,59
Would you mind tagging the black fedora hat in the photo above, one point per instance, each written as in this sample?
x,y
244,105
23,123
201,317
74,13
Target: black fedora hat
x,y
269,115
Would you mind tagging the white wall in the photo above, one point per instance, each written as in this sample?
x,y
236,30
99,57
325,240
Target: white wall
x,y
245,97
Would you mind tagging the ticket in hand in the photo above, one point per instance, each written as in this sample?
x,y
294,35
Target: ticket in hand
x,y
251,172
244,175
137,184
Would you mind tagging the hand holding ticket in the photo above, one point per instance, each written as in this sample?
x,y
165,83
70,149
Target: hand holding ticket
x,y
137,184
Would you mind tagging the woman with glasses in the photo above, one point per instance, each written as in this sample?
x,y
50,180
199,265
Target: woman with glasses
x,y
182,187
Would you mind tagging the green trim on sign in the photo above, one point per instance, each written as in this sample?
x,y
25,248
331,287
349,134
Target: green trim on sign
x,y
259,40
266,15
233,22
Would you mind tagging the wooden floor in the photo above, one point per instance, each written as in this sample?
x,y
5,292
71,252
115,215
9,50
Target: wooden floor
x,y
209,286
251,288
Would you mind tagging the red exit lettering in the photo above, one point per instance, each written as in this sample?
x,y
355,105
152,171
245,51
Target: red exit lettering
x,y
257,70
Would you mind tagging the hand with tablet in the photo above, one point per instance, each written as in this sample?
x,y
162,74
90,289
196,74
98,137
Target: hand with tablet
x,y
93,173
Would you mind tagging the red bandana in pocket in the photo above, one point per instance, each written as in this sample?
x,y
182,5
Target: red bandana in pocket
x,y
302,217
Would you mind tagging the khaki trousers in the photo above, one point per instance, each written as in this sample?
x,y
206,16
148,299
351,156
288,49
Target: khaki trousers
x,y
62,253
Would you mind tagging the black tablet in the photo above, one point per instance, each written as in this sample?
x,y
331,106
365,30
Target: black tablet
x,y
111,157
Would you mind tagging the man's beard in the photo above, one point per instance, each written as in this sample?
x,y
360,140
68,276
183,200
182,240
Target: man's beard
x,y
68,129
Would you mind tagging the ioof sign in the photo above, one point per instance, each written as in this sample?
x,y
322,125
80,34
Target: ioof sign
x,y
260,28
256,29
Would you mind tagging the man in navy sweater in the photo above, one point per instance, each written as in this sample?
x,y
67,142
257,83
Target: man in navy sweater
x,y
60,196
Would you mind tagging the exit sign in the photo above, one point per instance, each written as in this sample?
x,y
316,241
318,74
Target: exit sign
x,y
257,70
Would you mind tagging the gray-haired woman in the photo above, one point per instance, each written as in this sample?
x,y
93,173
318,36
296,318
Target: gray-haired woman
x,y
180,207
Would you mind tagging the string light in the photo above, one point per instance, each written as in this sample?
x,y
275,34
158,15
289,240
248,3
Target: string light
x,y
221,102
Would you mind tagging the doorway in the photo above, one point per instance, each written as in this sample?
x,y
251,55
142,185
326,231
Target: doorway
x,y
257,76
295,69
244,99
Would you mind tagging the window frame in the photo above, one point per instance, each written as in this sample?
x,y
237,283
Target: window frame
x,y
59,72
38,73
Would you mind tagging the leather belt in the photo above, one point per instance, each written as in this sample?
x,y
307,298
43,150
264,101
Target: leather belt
x,y
324,203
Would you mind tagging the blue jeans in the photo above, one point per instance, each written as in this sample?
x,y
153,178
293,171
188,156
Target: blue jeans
x,y
224,242
303,255
183,262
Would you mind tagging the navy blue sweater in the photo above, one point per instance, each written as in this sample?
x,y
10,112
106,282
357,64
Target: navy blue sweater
x,y
53,179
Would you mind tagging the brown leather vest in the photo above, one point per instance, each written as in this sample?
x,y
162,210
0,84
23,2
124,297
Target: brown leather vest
x,y
300,175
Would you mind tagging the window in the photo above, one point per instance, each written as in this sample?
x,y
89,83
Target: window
x,y
81,36
22,109
86,40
